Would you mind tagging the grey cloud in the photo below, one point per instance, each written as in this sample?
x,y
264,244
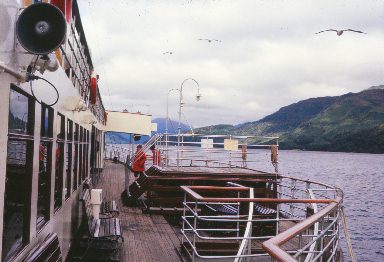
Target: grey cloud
x,y
269,55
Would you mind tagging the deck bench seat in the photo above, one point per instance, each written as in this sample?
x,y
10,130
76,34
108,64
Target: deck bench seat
x,y
262,210
224,209
107,208
104,235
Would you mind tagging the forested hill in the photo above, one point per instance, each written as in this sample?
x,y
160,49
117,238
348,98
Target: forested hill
x,y
353,122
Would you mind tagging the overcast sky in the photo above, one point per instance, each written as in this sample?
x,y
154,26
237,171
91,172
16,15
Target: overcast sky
x,y
269,55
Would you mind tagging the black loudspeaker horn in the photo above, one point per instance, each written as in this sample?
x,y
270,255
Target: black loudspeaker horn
x,y
41,28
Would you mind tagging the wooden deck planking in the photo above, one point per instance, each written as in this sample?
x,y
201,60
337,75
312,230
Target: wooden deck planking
x,y
147,237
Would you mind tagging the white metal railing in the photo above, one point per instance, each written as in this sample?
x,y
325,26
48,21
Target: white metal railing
x,y
212,150
310,214
190,153
117,152
124,154
245,249
304,213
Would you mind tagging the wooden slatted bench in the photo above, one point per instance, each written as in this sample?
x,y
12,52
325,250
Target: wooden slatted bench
x,y
262,210
224,209
105,235
107,209
46,250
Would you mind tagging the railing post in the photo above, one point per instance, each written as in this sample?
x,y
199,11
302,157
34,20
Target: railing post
x,y
195,229
238,217
166,150
322,240
127,174
184,211
293,191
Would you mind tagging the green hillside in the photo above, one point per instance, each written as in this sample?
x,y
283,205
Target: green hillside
x,y
350,123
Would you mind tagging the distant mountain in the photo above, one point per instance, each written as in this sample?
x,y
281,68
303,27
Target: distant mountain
x,y
353,122
117,138
376,87
172,125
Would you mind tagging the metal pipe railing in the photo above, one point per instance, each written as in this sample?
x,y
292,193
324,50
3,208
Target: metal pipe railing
x,y
308,231
273,246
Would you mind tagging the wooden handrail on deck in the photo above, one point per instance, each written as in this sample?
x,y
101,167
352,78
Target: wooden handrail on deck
x,y
196,196
273,245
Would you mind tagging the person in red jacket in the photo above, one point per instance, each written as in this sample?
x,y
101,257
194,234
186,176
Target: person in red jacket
x,y
156,155
138,166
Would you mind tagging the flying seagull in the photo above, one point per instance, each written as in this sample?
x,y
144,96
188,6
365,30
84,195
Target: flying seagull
x,y
340,32
209,40
168,52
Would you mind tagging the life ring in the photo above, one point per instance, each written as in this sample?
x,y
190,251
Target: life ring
x,y
93,89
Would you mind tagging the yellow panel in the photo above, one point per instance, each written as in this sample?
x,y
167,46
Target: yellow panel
x,y
231,144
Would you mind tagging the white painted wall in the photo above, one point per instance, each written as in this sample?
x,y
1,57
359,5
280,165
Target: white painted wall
x,y
131,123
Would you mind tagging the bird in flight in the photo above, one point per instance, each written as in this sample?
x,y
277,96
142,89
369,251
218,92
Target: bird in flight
x,y
168,52
209,40
340,32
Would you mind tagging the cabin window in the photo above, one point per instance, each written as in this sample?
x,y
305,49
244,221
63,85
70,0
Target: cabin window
x,y
76,157
69,159
44,184
69,130
84,142
68,169
84,148
58,193
45,161
87,154
18,182
76,132
81,153
75,165
60,127
20,117
46,121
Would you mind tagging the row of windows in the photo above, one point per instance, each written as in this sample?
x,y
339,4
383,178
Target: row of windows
x,y
68,159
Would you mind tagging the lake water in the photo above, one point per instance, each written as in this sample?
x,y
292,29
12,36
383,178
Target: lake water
x,y
361,177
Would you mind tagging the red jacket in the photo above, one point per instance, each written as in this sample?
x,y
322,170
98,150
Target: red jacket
x,y
139,161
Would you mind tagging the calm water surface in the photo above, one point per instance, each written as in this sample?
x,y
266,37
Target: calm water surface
x,y
361,177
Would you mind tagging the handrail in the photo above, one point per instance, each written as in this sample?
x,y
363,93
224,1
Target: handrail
x,y
316,227
311,239
235,156
196,196
273,245
248,229
147,145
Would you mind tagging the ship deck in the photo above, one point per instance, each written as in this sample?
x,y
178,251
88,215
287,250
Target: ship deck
x,y
147,237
